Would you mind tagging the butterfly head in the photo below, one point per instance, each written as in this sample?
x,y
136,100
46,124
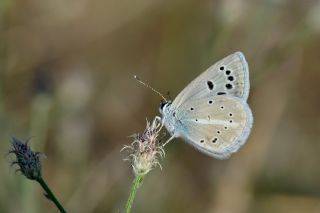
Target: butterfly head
x,y
164,106
168,116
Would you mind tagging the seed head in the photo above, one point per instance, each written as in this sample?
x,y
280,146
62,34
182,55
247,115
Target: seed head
x,y
27,160
145,149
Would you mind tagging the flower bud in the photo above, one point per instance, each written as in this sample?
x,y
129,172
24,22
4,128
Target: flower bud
x,y
27,160
146,149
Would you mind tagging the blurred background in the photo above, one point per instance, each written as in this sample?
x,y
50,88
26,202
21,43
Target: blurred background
x,y
66,80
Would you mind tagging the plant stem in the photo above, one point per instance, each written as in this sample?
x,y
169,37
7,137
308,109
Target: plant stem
x,y
135,185
50,195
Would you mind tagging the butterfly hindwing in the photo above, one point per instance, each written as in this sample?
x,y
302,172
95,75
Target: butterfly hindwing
x,y
217,126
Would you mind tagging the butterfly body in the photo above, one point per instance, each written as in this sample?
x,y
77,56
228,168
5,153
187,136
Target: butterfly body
x,y
211,113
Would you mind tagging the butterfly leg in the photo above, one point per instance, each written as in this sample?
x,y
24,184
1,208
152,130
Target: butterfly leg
x,y
170,139
159,119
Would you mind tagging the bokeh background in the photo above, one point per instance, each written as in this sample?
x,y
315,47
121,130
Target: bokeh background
x,y
66,80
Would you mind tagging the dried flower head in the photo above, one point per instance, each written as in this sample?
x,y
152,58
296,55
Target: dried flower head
x,y
145,149
27,160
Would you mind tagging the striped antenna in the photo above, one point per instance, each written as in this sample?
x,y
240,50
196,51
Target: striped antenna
x,y
150,87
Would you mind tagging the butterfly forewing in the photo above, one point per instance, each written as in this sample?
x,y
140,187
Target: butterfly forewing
x,y
229,76
216,126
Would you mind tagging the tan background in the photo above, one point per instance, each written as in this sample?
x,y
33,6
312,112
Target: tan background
x,y
66,80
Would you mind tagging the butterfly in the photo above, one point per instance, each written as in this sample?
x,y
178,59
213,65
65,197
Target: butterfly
x,y
211,113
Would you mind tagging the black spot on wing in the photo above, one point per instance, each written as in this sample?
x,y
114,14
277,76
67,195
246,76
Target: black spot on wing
x,y
210,85
230,78
229,86
221,93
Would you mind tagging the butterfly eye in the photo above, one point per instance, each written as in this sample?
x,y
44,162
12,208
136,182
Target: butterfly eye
x,y
162,104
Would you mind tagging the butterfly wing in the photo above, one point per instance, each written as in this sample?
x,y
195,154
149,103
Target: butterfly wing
x,y
216,126
229,76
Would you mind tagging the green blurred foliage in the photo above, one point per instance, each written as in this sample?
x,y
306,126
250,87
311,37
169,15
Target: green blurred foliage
x,y
66,79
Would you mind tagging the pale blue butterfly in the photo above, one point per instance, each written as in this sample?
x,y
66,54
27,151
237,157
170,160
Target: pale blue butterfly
x,y
212,113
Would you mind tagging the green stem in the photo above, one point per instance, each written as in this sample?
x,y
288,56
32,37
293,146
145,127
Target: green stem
x,y
135,185
50,195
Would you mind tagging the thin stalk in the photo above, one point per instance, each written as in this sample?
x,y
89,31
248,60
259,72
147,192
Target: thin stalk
x,y
50,195
135,185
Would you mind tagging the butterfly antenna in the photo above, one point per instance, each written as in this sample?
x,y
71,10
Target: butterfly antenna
x,y
150,87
